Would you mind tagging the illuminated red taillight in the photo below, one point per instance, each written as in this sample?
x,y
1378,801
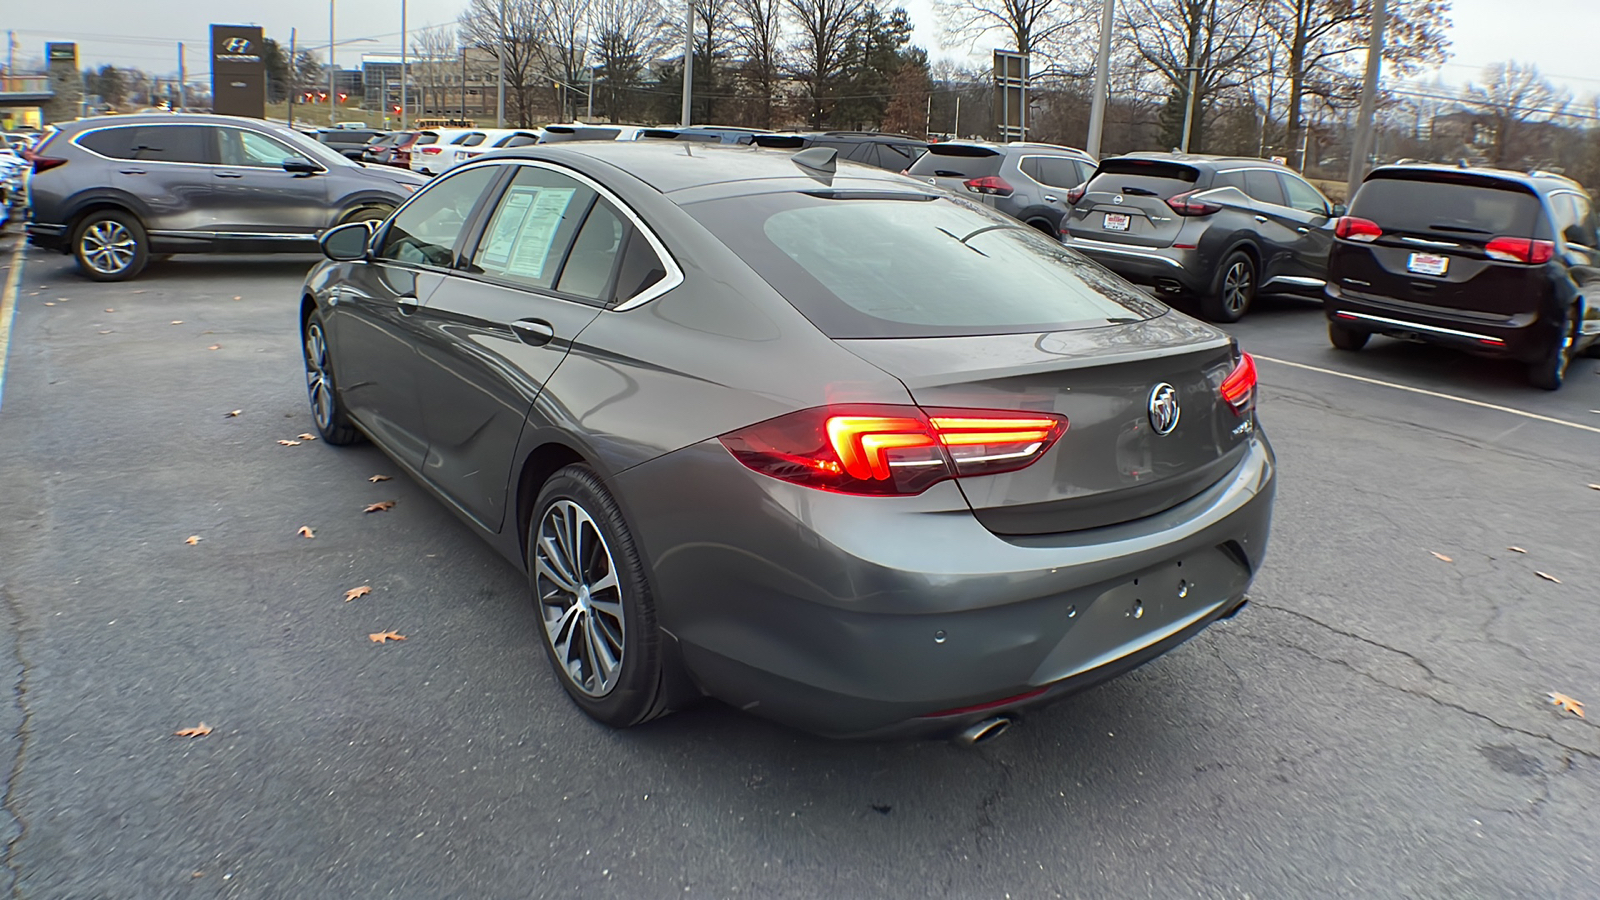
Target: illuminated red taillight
x,y
1351,228
1186,205
1076,194
993,185
894,450
1521,250
1239,388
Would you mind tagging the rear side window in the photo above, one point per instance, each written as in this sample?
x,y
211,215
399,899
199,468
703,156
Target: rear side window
x,y
587,271
641,268
916,267
532,227
155,143
1161,178
1054,171
1263,185
116,143
956,161
1446,202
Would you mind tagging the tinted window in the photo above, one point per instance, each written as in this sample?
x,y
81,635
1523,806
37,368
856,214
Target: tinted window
x,y
1058,172
157,143
426,231
898,157
1303,196
1234,179
587,272
519,140
956,161
1263,185
532,226
865,268
116,143
471,140
1447,202
1161,178
641,267
237,147
427,138
1574,218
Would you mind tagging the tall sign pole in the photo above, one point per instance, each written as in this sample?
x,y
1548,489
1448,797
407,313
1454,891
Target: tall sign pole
x,y
1362,146
688,61
500,93
1102,78
405,107
333,95
294,77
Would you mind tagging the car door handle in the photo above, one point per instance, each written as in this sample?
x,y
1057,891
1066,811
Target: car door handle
x,y
407,304
1050,198
1261,218
533,332
228,174
130,171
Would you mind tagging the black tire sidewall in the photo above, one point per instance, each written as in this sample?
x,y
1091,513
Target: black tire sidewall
x,y
1213,305
1550,372
339,431
638,694
141,249
1344,338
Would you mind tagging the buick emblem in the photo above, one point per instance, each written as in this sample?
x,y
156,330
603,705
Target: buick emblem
x,y
1164,409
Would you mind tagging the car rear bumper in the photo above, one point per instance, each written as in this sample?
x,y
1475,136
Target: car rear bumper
x,y
1526,336
1168,269
876,617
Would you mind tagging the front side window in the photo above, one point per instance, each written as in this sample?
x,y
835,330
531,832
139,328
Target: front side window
x,y
237,147
425,232
532,226
1303,196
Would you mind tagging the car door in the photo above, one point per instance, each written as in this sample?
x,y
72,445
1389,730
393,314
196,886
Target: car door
x,y
1580,249
1275,232
538,274
257,197
375,326
1312,217
168,167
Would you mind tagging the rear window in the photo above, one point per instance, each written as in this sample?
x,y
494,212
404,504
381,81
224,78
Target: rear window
x,y
915,266
427,137
954,161
1163,179
1447,202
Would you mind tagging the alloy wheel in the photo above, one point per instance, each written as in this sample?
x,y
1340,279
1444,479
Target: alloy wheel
x,y
1236,287
318,384
107,246
580,598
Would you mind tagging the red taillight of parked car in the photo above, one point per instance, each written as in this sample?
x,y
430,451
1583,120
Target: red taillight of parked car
x,y
992,185
1522,250
42,163
431,150
1351,228
892,450
1076,194
1186,205
1239,388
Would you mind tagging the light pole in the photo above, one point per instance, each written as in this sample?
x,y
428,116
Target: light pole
x,y
1190,107
688,59
333,95
405,110
1369,98
1102,78
500,78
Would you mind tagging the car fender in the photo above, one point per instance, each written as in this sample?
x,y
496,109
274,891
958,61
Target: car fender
x,y
102,195
1044,212
365,197
1214,248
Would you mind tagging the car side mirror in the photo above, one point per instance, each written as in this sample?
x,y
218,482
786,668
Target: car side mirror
x,y
1339,210
300,166
346,243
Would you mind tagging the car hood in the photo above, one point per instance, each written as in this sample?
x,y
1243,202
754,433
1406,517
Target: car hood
x,y
396,176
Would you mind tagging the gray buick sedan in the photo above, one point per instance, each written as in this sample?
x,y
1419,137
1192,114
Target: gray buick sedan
x,y
820,441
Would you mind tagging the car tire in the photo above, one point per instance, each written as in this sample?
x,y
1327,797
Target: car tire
x,y
1234,291
1044,227
593,598
367,214
328,412
1550,372
110,245
1347,338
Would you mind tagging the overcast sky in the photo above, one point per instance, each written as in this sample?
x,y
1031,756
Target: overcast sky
x,y
1557,35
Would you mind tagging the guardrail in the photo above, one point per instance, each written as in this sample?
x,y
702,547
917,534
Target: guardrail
x,y
25,84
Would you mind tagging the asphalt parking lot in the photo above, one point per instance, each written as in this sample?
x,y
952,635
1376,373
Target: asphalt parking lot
x,y
1375,724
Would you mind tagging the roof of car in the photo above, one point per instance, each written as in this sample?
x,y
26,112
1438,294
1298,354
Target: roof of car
x,y
159,118
1535,178
1206,160
1018,146
671,166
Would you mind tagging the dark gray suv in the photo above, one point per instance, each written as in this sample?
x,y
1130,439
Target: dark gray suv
x,y
113,191
1028,181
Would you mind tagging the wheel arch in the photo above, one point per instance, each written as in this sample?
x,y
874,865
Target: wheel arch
x,y
542,462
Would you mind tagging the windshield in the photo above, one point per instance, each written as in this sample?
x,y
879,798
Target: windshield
x,y
914,265
317,151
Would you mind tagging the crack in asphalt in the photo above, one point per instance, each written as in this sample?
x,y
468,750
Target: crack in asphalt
x,y
1416,660
20,698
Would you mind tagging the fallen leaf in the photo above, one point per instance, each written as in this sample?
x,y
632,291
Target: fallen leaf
x,y
192,539
383,637
238,298
198,731
107,331
1594,487
308,436
232,414
380,506
306,532
377,478
289,443
110,310
1516,550
214,347
63,299
1566,703
177,321
48,303
138,292
1548,577
355,592
1441,557
196,874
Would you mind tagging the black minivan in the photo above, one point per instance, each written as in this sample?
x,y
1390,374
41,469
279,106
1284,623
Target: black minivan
x,y
1497,263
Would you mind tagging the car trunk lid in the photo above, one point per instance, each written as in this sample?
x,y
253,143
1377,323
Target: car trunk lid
x,y
1126,202
1112,465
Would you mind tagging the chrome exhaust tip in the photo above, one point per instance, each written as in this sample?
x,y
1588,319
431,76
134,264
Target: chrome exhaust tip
x,y
987,730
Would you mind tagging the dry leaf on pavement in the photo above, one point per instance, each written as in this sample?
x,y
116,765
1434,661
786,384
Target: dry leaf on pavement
x,y
1548,577
308,436
1566,703
177,321
380,506
192,539
238,298
48,303
1594,487
198,731
377,478
289,443
232,414
306,532
355,592
384,637
1516,550
110,310
1441,557
106,331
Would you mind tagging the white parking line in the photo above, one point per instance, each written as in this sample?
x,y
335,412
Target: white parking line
x,y
1426,393
8,310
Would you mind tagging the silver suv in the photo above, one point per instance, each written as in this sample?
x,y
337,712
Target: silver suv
x,y
1025,180
116,190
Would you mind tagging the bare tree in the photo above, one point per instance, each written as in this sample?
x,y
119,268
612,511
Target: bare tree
x,y
517,33
824,28
560,38
1215,39
713,41
628,36
758,37
1512,101
433,52
1032,26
